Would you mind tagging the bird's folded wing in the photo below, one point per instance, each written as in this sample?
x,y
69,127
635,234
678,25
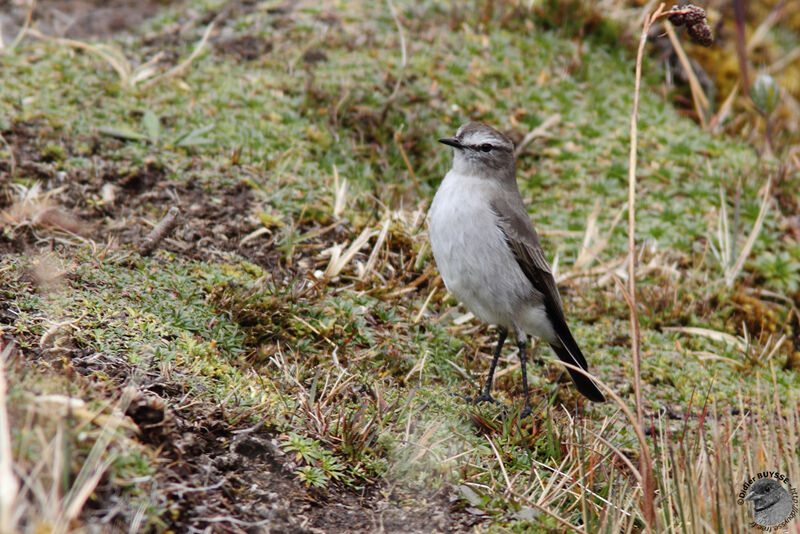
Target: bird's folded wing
x,y
521,237
524,243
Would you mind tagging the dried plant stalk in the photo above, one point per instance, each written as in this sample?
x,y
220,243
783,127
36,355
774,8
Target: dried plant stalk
x,y
164,227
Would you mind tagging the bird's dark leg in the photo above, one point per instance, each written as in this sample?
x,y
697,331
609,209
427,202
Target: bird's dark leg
x,y
486,396
522,345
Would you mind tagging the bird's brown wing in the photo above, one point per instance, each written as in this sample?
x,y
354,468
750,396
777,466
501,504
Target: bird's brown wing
x,y
523,241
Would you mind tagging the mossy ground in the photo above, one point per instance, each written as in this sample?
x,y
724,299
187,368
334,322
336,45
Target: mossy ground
x,y
299,392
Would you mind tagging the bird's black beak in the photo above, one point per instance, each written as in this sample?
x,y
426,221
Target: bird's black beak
x,y
452,141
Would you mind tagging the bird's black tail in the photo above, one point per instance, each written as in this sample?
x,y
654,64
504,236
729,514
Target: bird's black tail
x,y
569,352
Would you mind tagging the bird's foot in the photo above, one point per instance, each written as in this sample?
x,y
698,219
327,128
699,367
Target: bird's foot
x,y
485,397
526,411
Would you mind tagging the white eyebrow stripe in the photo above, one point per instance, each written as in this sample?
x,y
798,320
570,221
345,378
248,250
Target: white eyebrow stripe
x,y
480,139
477,140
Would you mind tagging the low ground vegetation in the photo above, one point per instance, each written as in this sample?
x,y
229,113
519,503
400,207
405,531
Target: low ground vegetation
x,y
288,358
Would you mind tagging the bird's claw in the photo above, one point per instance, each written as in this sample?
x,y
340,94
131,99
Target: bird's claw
x,y
485,397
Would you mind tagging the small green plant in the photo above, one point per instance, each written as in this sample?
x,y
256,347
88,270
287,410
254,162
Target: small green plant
x,y
307,449
780,270
151,133
321,465
332,467
724,250
312,476
766,94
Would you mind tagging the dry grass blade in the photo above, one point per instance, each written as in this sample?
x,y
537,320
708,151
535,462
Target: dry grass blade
x,y
509,488
724,110
698,96
340,260
733,272
254,235
425,305
340,194
145,70
539,131
460,370
704,355
404,55
637,428
399,142
129,76
12,161
766,25
622,458
178,69
561,521
80,493
373,257
556,486
421,445
24,30
724,255
8,482
575,480
770,348
111,55
711,334
605,271
418,367
784,61
645,464
593,245
93,468
584,257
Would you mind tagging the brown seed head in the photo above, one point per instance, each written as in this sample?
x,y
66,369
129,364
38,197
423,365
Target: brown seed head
x,y
677,18
701,33
693,15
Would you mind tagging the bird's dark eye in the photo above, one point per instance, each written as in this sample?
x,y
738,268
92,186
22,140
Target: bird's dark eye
x,y
767,489
486,147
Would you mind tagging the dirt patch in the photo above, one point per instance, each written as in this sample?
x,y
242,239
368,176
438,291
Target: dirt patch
x,y
235,478
111,200
214,219
247,47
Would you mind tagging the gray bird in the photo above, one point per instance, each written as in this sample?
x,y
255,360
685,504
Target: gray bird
x,y
489,255
772,504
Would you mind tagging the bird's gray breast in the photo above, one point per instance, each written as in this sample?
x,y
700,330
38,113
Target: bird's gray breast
x,y
471,252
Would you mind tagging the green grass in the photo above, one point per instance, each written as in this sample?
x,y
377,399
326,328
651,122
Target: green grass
x,y
260,340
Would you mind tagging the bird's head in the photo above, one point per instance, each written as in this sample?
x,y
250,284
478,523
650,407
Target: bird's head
x,y
765,493
481,150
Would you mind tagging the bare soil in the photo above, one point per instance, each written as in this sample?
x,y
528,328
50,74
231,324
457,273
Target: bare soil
x,y
214,217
